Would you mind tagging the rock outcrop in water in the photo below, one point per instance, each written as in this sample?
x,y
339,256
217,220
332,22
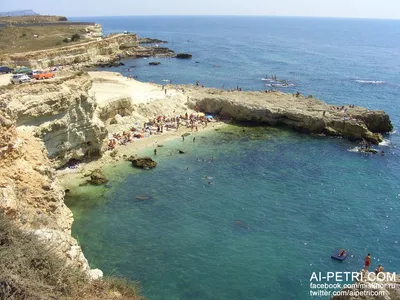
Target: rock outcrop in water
x,y
184,55
142,162
307,115
97,177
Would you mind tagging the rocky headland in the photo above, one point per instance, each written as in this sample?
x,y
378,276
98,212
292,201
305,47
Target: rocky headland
x,y
94,52
303,114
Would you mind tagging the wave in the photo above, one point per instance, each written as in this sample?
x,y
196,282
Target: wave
x,y
355,149
370,81
385,142
279,84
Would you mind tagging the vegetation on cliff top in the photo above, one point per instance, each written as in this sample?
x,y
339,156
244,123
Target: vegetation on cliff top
x,y
30,270
30,19
34,38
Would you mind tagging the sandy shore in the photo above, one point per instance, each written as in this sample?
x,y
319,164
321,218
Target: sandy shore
x,y
70,177
147,100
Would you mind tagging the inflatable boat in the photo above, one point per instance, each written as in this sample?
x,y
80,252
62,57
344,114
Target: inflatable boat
x,y
336,255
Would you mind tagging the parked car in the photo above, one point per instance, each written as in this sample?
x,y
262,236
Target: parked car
x,y
33,72
22,70
6,70
20,78
43,75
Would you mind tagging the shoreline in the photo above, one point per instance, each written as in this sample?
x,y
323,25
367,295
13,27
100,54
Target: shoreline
x,y
70,177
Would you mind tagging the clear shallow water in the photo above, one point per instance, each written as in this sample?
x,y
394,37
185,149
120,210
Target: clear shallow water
x,y
278,205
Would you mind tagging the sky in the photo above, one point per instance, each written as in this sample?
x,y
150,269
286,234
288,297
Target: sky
x,y
383,9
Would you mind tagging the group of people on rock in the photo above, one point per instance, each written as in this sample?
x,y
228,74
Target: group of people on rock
x,y
367,263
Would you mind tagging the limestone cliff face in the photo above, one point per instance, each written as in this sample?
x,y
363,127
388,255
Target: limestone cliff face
x,y
61,113
31,196
97,51
302,114
372,290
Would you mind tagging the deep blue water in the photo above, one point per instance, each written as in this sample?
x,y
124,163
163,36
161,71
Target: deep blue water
x,y
277,206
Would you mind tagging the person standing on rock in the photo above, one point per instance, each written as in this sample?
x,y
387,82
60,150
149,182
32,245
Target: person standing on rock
x,y
367,262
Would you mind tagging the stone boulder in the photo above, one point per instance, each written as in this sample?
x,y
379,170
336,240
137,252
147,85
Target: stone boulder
x,y
154,63
184,55
97,177
387,288
142,162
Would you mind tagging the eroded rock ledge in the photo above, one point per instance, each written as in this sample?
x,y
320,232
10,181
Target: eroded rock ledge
x,y
61,113
303,114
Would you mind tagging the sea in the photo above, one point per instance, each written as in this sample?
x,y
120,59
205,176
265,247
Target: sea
x,y
253,212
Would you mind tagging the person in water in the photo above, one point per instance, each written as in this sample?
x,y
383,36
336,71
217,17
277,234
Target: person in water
x,y
379,269
367,262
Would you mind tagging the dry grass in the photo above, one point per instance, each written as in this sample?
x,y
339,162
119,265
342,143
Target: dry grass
x,y
29,270
21,39
31,19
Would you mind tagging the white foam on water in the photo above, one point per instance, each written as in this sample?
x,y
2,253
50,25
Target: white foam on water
x,y
355,149
370,81
385,142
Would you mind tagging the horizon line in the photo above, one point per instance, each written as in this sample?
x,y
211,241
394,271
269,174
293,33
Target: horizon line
x,y
271,16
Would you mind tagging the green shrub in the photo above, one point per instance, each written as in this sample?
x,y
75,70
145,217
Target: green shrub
x,y
75,37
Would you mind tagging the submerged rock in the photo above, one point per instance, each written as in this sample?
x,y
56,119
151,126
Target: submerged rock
x,y
143,198
142,162
97,177
184,55
239,224
154,63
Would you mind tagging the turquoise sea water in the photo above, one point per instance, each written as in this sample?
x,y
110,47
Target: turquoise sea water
x,y
277,205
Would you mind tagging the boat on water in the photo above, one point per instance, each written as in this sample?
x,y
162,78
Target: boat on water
x,y
339,254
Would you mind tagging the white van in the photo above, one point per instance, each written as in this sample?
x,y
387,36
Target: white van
x,y
20,78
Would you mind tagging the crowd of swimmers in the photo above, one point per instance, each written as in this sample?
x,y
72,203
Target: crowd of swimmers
x,y
157,126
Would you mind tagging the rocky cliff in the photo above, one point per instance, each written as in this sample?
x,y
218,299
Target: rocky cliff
x,y
372,290
304,114
61,113
31,196
93,52
97,51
